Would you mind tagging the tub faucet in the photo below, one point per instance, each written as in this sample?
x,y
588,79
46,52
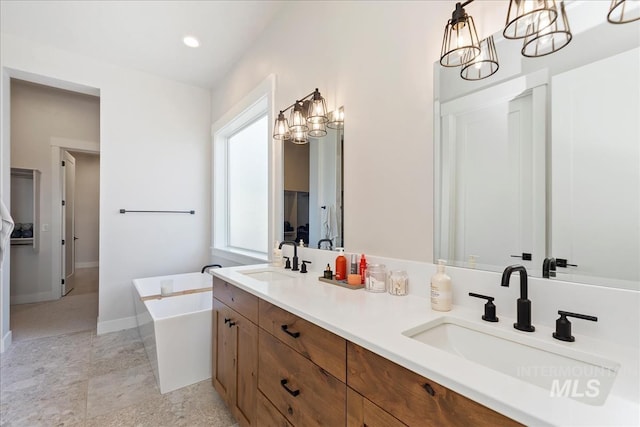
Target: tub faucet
x,y
524,305
294,260
325,240
209,266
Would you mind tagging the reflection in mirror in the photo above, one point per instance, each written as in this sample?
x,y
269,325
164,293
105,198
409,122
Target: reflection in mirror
x,y
313,190
542,159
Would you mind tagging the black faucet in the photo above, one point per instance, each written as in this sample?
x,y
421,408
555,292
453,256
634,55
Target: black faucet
x,y
295,252
524,305
325,240
209,266
549,268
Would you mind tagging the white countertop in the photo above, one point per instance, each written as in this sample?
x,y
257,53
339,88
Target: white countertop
x,y
376,322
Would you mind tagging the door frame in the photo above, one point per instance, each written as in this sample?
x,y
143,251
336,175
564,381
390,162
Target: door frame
x,y
58,145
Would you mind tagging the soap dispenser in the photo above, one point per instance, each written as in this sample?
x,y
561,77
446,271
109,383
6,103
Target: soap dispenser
x,y
441,295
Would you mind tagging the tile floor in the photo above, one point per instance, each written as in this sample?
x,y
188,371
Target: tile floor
x,y
81,379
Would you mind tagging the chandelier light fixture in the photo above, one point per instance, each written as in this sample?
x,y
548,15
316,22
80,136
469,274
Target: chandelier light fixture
x,y
623,11
542,24
308,118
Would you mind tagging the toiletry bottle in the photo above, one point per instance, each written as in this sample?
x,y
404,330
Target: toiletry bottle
x,y
441,296
328,274
277,255
341,266
301,243
362,268
354,264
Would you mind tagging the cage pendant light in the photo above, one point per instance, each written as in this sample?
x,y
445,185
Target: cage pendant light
x,y
460,39
299,138
483,65
281,128
336,119
525,13
623,11
297,121
549,39
317,130
317,112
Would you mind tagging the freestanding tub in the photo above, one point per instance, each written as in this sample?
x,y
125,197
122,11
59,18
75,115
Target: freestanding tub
x,y
176,330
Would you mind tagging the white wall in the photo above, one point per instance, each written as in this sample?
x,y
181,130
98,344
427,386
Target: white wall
x,y
155,152
87,203
376,59
39,113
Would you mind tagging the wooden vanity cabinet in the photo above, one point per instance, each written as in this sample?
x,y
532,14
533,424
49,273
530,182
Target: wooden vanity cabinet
x,y
411,398
273,368
235,350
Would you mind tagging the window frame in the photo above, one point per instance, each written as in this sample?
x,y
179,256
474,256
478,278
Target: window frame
x,y
252,107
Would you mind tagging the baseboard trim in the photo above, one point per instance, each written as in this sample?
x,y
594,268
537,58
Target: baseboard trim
x,y
30,298
5,343
106,326
89,264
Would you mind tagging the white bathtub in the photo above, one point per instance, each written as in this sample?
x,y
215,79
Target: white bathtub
x,y
176,330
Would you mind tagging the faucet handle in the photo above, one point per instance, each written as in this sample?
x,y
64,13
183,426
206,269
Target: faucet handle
x,y
489,307
303,267
563,325
287,264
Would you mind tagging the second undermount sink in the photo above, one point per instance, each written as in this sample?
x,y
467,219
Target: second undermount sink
x,y
563,372
269,274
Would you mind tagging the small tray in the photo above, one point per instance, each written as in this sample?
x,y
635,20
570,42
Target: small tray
x,y
342,283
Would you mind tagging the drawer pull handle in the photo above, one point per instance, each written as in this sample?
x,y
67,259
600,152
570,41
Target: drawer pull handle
x,y
227,320
293,393
429,389
232,324
293,334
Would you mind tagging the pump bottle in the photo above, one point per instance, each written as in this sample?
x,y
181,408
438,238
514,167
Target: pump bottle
x,y
341,265
441,295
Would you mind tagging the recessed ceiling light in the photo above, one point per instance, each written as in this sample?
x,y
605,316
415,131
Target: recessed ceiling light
x,y
191,41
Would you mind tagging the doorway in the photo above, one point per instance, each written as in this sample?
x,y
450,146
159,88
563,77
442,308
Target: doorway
x,y
68,243
54,290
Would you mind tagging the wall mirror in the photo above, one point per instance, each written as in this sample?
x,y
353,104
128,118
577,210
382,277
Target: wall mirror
x,y
313,190
542,159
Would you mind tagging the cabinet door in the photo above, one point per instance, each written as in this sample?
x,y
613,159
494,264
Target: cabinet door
x,y
246,352
362,413
224,338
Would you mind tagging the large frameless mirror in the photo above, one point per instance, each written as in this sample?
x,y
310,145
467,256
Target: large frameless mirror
x,y
542,159
313,190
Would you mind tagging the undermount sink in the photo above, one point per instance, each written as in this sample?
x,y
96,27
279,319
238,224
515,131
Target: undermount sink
x,y
269,274
563,372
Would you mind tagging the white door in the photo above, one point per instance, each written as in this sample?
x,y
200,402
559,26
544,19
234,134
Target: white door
x,y
68,221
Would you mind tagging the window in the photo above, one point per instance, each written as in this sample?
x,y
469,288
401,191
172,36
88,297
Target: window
x,y
247,186
241,186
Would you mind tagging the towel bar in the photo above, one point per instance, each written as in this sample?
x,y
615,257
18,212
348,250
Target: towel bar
x,y
123,211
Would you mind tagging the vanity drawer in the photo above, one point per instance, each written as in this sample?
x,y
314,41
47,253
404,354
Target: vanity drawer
x,y
241,301
268,415
304,393
324,348
411,398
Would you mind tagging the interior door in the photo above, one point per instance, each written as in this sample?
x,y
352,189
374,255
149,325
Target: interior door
x,y
68,221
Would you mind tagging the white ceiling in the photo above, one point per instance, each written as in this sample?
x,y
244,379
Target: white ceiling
x,y
146,35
